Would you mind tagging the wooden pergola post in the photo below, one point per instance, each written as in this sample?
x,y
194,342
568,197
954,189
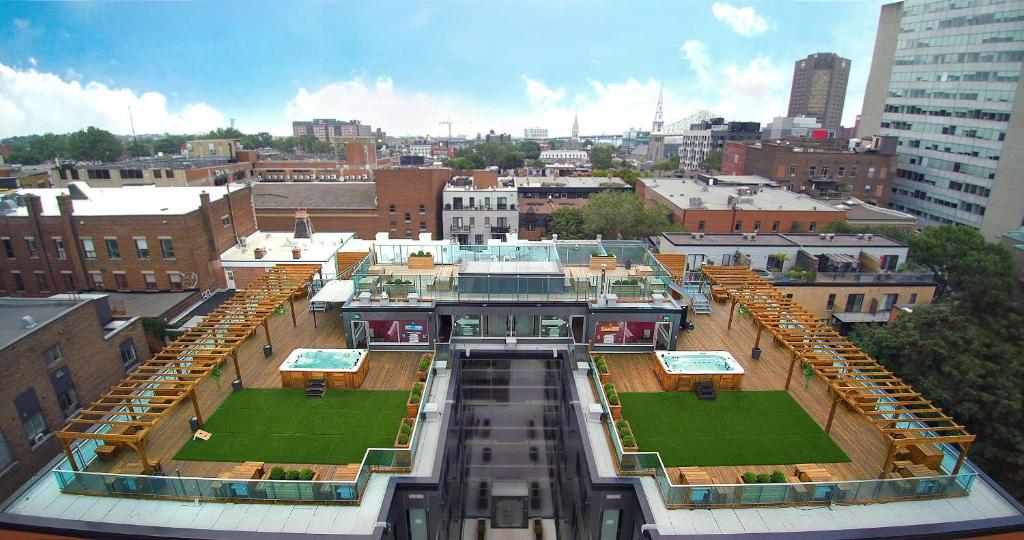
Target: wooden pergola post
x,y
291,304
789,376
732,308
832,414
888,459
139,449
757,341
266,330
195,406
67,452
234,359
963,455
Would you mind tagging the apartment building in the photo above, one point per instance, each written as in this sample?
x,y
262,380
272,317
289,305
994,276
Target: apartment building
x,y
175,171
535,134
212,148
818,168
56,355
707,136
722,209
333,131
480,208
132,239
819,88
945,79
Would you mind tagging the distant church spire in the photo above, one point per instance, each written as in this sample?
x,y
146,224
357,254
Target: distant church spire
x,y
574,142
659,121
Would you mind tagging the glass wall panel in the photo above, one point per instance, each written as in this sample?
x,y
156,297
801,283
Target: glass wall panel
x,y
399,331
526,325
551,326
497,325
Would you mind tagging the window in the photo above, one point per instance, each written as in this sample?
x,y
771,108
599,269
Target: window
x,y
841,172
775,226
225,221
757,226
700,225
64,387
113,250
913,298
6,458
8,248
853,172
69,281
33,249
830,304
408,217
811,171
121,281
792,170
854,303
88,248
19,282
149,278
167,248
97,279
27,405
867,189
813,226
423,226
58,245
141,247
175,279
531,227
423,209
478,239
53,356
128,356
408,233
738,226
889,300
824,172
391,209
41,281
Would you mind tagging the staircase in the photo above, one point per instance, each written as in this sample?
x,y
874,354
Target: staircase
x,y
675,263
699,304
706,390
315,388
347,262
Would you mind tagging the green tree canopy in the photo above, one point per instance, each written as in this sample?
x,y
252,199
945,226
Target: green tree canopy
x,y
511,160
530,149
568,222
284,144
977,272
223,133
257,140
712,161
169,144
669,164
94,144
601,156
613,215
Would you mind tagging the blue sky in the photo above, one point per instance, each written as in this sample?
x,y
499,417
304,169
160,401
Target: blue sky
x,y
405,66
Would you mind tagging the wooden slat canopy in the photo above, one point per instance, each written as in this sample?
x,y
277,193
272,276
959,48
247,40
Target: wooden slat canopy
x,y
903,416
136,404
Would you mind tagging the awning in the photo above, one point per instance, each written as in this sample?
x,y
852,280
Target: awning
x,y
857,317
335,291
841,258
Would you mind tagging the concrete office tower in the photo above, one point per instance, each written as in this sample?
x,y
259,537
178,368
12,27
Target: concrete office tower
x,y
944,80
819,88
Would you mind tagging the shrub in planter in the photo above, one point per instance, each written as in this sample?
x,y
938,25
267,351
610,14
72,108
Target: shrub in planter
x,y
613,398
416,394
403,439
622,425
277,473
306,475
764,478
778,477
405,427
749,478
628,441
291,475
425,362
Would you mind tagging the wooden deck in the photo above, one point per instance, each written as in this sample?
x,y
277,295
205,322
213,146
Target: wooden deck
x,y
388,371
861,441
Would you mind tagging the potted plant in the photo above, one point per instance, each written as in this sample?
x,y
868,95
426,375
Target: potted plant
x,y
602,369
259,253
614,406
626,435
597,259
398,287
421,260
413,405
404,433
626,287
424,366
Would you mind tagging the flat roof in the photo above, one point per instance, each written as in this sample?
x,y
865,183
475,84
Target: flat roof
x,y
148,304
681,190
845,240
127,200
741,180
569,181
335,195
175,161
546,206
779,239
279,245
43,310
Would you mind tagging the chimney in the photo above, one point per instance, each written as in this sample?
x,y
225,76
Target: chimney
x,y
296,253
303,225
259,253
34,204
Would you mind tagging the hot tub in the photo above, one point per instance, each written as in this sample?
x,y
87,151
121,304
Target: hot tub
x,y
682,370
339,368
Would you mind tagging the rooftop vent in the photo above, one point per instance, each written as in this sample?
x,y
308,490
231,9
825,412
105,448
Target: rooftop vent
x,y
303,225
78,191
29,321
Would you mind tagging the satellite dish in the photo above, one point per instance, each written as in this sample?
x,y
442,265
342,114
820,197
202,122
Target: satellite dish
x,y
189,280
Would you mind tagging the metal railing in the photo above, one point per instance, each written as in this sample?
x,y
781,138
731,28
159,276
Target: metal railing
x,y
784,494
223,489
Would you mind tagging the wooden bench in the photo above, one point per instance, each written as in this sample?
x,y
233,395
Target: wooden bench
x,y
106,451
925,454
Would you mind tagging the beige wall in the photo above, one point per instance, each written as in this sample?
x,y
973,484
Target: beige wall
x,y
814,297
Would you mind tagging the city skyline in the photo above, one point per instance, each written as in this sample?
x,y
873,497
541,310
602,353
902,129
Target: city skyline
x,y
407,66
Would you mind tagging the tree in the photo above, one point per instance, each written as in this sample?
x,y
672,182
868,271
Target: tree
x,y
977,272
461,164
511,160
257,140
94,144
712,161
601,156
140,147
568,222
284,144
169,144
970,366
616,214
587,143
530,149
670,164
223,133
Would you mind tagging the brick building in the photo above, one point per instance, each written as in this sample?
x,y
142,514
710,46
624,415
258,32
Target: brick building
x,y
164,172
334,131
699,207
141,238
55,354
405,202
818,168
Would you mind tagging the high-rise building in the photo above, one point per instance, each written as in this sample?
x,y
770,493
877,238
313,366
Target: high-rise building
x,y
819,88
333,131
944,79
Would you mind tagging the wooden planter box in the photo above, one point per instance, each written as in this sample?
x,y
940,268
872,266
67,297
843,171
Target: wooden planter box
x,y
604,377
633,448
616,411
406,444
412,409
607,260
421,376
417,262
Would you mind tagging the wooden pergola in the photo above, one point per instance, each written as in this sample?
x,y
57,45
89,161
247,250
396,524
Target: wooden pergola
x,y
126,413
903,416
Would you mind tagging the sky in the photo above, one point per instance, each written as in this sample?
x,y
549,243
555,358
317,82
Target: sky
x,y
188,67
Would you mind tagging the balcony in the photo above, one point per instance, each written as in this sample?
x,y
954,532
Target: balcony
x,y
500,229
483,208
460,229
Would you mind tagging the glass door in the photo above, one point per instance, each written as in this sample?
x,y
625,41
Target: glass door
x,y
359,336
664,336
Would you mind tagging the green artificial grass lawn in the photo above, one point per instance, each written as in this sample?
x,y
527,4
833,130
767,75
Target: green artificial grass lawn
x,y
282,425
739,428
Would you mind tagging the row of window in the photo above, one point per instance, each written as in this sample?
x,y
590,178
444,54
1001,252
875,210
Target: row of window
x,y
927,215
952,148
97,281
113,248
949,112
976,171
795,226
855,302
972,208
959,40
813,171
943,6
971,132
1013,15
485,202
961,94
987,57
955,76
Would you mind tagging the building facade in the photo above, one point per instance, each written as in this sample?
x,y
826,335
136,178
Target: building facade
x,y
122,239
789,127
535,134
705,137
475,212
818,168
212,148
819,88
57,354
333,131
944,79
160,172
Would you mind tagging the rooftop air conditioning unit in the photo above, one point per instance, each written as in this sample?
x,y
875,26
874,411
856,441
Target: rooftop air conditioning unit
x,y
868,237
700,236
830,237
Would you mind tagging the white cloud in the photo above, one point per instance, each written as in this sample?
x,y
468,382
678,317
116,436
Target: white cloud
x,y
757,92
744,21
32,60
696,54
33,101
540,95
